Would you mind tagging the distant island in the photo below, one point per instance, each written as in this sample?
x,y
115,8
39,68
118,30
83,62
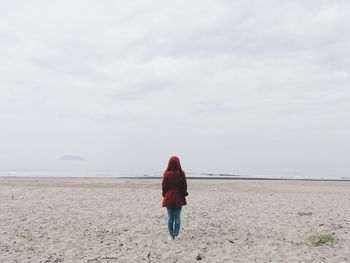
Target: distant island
x,y
71,158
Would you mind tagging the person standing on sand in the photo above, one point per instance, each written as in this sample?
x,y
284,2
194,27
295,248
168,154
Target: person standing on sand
x,y
174,191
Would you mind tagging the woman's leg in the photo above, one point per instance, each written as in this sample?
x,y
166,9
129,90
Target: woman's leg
x,y
171,221
177,221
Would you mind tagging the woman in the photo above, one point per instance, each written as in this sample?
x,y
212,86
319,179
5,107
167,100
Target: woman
x,y
174,188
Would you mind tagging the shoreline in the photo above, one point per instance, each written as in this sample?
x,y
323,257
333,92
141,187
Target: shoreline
x,y
246,178
188,178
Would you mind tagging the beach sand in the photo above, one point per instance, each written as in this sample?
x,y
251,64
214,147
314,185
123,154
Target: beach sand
x,y
121,220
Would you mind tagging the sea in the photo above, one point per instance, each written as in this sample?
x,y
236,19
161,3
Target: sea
x,y
83,168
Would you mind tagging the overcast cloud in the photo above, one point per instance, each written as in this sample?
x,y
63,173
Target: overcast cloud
x,y
252,87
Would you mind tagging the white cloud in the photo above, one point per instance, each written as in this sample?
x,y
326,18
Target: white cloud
x,y
233,86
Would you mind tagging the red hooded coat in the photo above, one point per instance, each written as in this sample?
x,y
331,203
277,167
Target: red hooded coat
x,y
174,185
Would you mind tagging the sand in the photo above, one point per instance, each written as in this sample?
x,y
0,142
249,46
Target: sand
x,y
121,220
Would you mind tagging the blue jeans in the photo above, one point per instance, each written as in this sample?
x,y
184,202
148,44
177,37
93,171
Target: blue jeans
x,y
174,213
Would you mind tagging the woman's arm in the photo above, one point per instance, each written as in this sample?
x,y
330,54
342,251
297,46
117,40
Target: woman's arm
x,y
184,185
164,186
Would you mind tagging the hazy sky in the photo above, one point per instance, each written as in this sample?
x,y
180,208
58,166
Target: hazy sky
x,y
258,87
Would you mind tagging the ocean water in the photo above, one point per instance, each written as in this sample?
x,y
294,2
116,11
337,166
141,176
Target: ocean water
x,y
71,168
97,169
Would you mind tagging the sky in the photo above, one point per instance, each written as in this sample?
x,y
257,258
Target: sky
x,y
249,87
